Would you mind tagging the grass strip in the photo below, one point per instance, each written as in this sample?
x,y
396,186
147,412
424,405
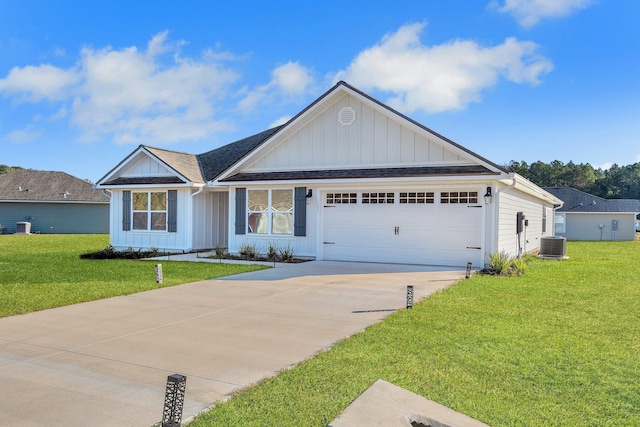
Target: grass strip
x,y
42,271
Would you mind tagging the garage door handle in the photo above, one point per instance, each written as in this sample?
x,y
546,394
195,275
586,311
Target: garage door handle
x,y
328,243
474,247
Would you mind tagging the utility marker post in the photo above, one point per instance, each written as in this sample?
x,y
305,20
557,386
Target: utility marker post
x,y
158,273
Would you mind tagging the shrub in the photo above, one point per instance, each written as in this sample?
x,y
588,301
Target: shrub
x,y
110,252
503,264
220,251
500,262
272,251
286,254
248,250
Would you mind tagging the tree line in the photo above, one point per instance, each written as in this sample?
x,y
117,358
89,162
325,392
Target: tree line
x,y
5,168
617,182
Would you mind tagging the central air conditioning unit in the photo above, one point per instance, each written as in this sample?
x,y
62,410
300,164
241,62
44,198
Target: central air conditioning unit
x,y
553,247
23,228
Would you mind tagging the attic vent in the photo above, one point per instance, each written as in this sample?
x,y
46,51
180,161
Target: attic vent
x,y
347,116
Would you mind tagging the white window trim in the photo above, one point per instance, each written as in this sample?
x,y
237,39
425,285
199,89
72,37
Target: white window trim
x,y
149,212
270,212
563,222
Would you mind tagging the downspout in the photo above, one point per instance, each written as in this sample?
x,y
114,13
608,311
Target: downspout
x,y
200,190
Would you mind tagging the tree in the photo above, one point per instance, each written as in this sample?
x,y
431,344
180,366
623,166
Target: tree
x,y
616,182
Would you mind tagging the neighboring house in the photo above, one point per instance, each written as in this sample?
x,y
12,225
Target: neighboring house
x,y
587,217
348,178
52,202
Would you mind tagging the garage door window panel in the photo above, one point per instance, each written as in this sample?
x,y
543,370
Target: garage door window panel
x,y
378,198
458,197
417,198
342,198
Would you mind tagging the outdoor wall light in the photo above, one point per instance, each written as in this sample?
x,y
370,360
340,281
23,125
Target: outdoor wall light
x,y
488,197
309,194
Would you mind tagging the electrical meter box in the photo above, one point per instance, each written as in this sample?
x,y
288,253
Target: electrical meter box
x,y
614,224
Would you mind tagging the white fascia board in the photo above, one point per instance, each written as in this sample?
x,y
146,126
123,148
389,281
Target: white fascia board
x,y
119,166
151,186
596,213
528,187
140,150
439,180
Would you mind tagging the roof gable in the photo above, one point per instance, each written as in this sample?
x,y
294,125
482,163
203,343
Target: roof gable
x,y
47,186
346,129
580,201
150,165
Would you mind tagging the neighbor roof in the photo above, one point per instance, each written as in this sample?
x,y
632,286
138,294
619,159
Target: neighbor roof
x,y
579,201
46,186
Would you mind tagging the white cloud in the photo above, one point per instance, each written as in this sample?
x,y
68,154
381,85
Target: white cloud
x,y
604,166
290,80
24,135
282,120
37,83
132,96
441,77
530,12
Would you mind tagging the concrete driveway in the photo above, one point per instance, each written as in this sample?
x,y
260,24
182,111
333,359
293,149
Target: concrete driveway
x,y
105,363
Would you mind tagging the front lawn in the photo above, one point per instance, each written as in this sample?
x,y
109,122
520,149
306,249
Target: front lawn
x,y
558,346
41,271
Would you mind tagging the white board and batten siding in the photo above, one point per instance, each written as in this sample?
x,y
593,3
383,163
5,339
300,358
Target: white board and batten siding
x,y
210,224
141,166
302,246
512,201
182,240
375,139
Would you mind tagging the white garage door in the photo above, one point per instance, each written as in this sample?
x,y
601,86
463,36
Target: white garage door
x,y
436,228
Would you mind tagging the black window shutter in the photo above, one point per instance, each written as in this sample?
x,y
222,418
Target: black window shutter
x,y
172,211
300,211
126,210
241,210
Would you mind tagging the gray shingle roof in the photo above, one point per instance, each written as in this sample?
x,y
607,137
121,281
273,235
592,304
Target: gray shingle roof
x,y
579,201
158,180
183,163
361,173
214,162
32,185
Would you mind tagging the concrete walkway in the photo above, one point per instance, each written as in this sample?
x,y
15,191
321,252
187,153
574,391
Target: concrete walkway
x,y
105,363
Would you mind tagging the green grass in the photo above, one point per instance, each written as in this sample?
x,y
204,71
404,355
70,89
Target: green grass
x,y
41,271
558,346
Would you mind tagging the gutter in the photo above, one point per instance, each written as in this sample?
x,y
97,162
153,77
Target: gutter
x,y
200,190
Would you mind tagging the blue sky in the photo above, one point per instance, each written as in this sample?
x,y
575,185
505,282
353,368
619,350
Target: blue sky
x,y
83,83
